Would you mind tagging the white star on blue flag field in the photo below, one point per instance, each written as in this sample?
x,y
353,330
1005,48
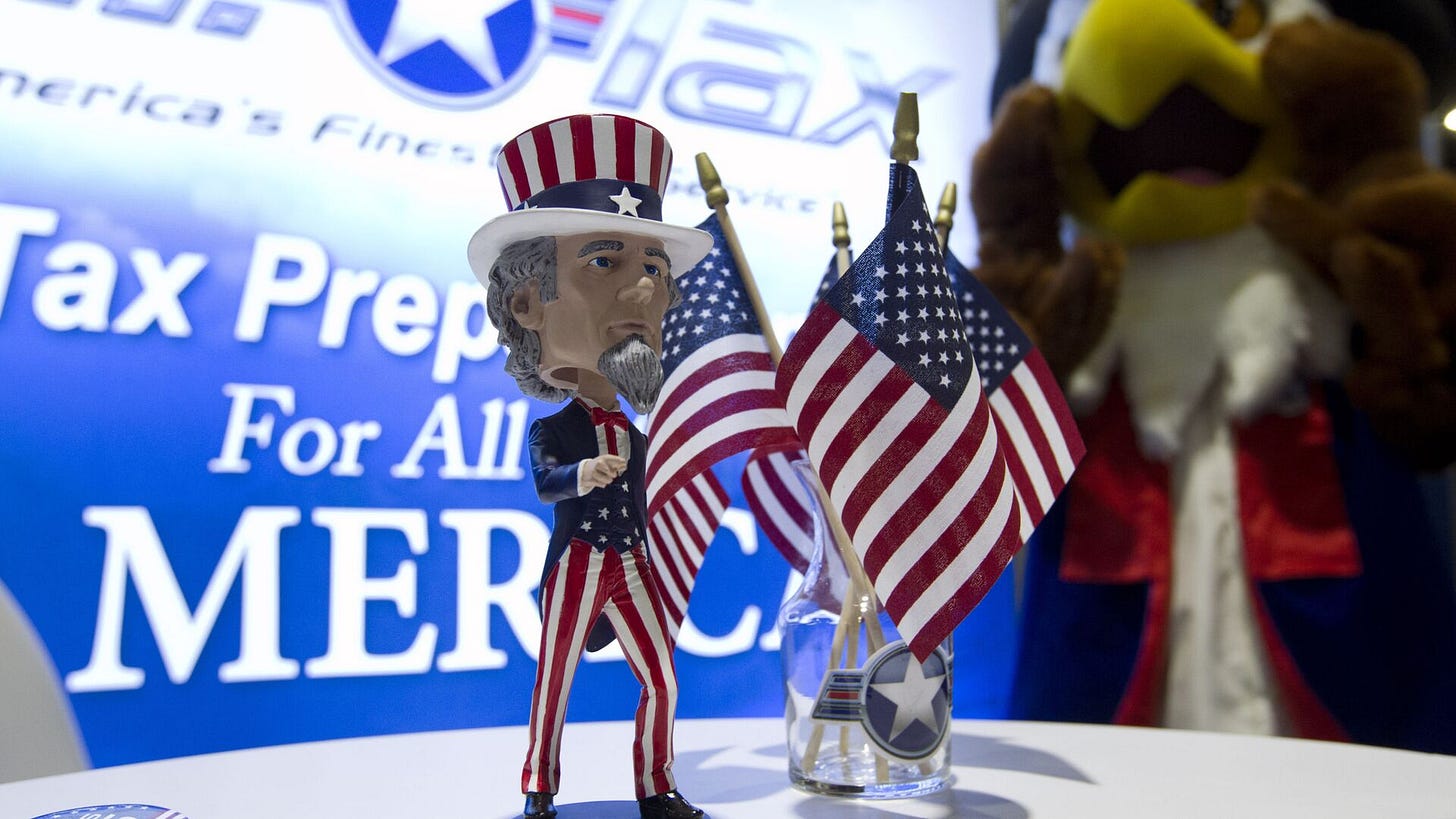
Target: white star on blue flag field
x,y
897,294
714,304
997,342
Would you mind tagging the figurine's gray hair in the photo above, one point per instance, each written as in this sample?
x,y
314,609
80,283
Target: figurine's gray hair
x,y
519,263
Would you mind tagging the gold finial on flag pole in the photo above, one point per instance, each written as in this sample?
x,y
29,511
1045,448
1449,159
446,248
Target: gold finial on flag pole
x,y
841,239
907,129
717,197
946,215
711,183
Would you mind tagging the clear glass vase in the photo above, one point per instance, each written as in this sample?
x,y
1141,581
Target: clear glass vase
x,y
864,718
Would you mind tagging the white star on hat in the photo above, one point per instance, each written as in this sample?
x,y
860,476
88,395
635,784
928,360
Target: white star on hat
x,y
626,202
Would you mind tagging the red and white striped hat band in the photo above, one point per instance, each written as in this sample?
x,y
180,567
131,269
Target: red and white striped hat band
x,y
585,174
583,161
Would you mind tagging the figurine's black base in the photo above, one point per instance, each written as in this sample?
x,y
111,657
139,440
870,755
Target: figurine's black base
x,y
615,809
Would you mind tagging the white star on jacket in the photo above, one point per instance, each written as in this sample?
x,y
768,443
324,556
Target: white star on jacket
x,y
459,24
914,698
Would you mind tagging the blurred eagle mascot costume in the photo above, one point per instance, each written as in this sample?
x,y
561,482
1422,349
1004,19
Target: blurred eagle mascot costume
x,y
1216,220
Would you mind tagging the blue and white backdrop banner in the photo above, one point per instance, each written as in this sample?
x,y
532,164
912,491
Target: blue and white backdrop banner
x,y
261,474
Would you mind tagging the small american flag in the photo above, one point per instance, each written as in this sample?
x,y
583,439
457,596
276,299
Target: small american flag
x,y
717,400
1038,434
884,393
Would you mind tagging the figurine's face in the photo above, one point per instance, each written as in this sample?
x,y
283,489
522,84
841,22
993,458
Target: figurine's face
x,y
609,287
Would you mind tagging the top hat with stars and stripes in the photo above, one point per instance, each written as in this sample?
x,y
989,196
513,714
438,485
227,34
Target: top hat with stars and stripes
x,y
585,173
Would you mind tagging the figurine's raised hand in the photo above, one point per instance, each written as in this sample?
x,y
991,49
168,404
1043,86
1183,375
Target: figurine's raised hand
x,y
599,471
1063,299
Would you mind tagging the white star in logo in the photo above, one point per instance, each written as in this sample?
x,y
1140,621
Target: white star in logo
x,y
456,23
626,202
914,698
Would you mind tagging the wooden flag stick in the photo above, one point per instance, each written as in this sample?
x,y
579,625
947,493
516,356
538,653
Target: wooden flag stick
x,y
874,635
945,216
903,150
844,649
717,197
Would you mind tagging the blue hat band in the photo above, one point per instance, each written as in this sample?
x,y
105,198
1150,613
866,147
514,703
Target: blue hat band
x,y
605,195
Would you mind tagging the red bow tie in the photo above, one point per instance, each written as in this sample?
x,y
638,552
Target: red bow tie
x,y
608,418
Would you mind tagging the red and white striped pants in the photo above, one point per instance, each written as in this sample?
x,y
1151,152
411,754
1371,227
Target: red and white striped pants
x,y
583,584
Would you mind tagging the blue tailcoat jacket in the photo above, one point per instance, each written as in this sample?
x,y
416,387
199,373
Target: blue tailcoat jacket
x,y
558,443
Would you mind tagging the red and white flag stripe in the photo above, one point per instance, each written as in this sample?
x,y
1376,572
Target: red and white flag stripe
x,y
719,401
781,504
1044,445
679,534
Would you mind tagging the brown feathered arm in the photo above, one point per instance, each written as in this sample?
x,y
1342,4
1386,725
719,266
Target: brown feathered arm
x,y
1375,220
1062,298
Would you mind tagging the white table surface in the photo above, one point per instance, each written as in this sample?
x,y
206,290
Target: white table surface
x,y
735,768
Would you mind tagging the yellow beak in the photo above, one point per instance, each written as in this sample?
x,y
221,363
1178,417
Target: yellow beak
x,y
1126,62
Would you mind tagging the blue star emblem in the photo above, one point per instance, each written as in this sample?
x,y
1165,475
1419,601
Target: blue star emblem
x,y
451,53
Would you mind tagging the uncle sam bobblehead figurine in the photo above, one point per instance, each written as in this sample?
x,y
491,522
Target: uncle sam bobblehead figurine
x,y
578,276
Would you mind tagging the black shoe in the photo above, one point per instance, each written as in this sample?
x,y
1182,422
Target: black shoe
x,y
538,806
668,805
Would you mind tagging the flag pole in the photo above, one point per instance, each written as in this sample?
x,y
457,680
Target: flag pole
x,y
945,216
903,150
717,197
874,635
844,648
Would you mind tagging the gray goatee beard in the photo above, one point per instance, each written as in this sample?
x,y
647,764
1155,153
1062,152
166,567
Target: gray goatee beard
x,y
635,369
